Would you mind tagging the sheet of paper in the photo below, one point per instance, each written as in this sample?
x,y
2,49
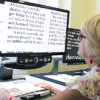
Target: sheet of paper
x,y
20,87
62,77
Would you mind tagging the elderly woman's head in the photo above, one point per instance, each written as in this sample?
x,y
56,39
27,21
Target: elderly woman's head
x,y
91,30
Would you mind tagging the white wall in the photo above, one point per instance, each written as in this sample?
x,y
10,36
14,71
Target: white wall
x,y
65,4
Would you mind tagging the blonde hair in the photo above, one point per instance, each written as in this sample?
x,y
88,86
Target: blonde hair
x,y
91,29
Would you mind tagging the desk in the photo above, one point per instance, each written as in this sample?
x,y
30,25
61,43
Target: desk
x,y
38,80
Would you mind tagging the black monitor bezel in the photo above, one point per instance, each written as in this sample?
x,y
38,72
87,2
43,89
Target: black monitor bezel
x,y
36,53
71,60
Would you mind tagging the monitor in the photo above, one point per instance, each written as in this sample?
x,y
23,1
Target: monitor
x,y
29,28
31,32
72,43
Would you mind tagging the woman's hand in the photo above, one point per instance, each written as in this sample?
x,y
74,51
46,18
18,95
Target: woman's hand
x,y
49,87
44,85
4,94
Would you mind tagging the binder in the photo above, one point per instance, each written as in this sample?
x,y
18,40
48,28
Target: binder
x,y
23,89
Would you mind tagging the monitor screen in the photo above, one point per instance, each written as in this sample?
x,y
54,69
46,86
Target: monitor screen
x,y
72,43
32,28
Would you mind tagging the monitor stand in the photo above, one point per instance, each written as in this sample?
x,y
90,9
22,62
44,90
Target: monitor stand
x,y
6,74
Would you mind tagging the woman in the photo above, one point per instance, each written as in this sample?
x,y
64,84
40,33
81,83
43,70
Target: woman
x,y
86,87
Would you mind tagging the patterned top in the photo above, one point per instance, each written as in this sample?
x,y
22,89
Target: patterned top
x,y
89,84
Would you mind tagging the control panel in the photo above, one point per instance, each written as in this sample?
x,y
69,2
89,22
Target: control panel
x,y
34,60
